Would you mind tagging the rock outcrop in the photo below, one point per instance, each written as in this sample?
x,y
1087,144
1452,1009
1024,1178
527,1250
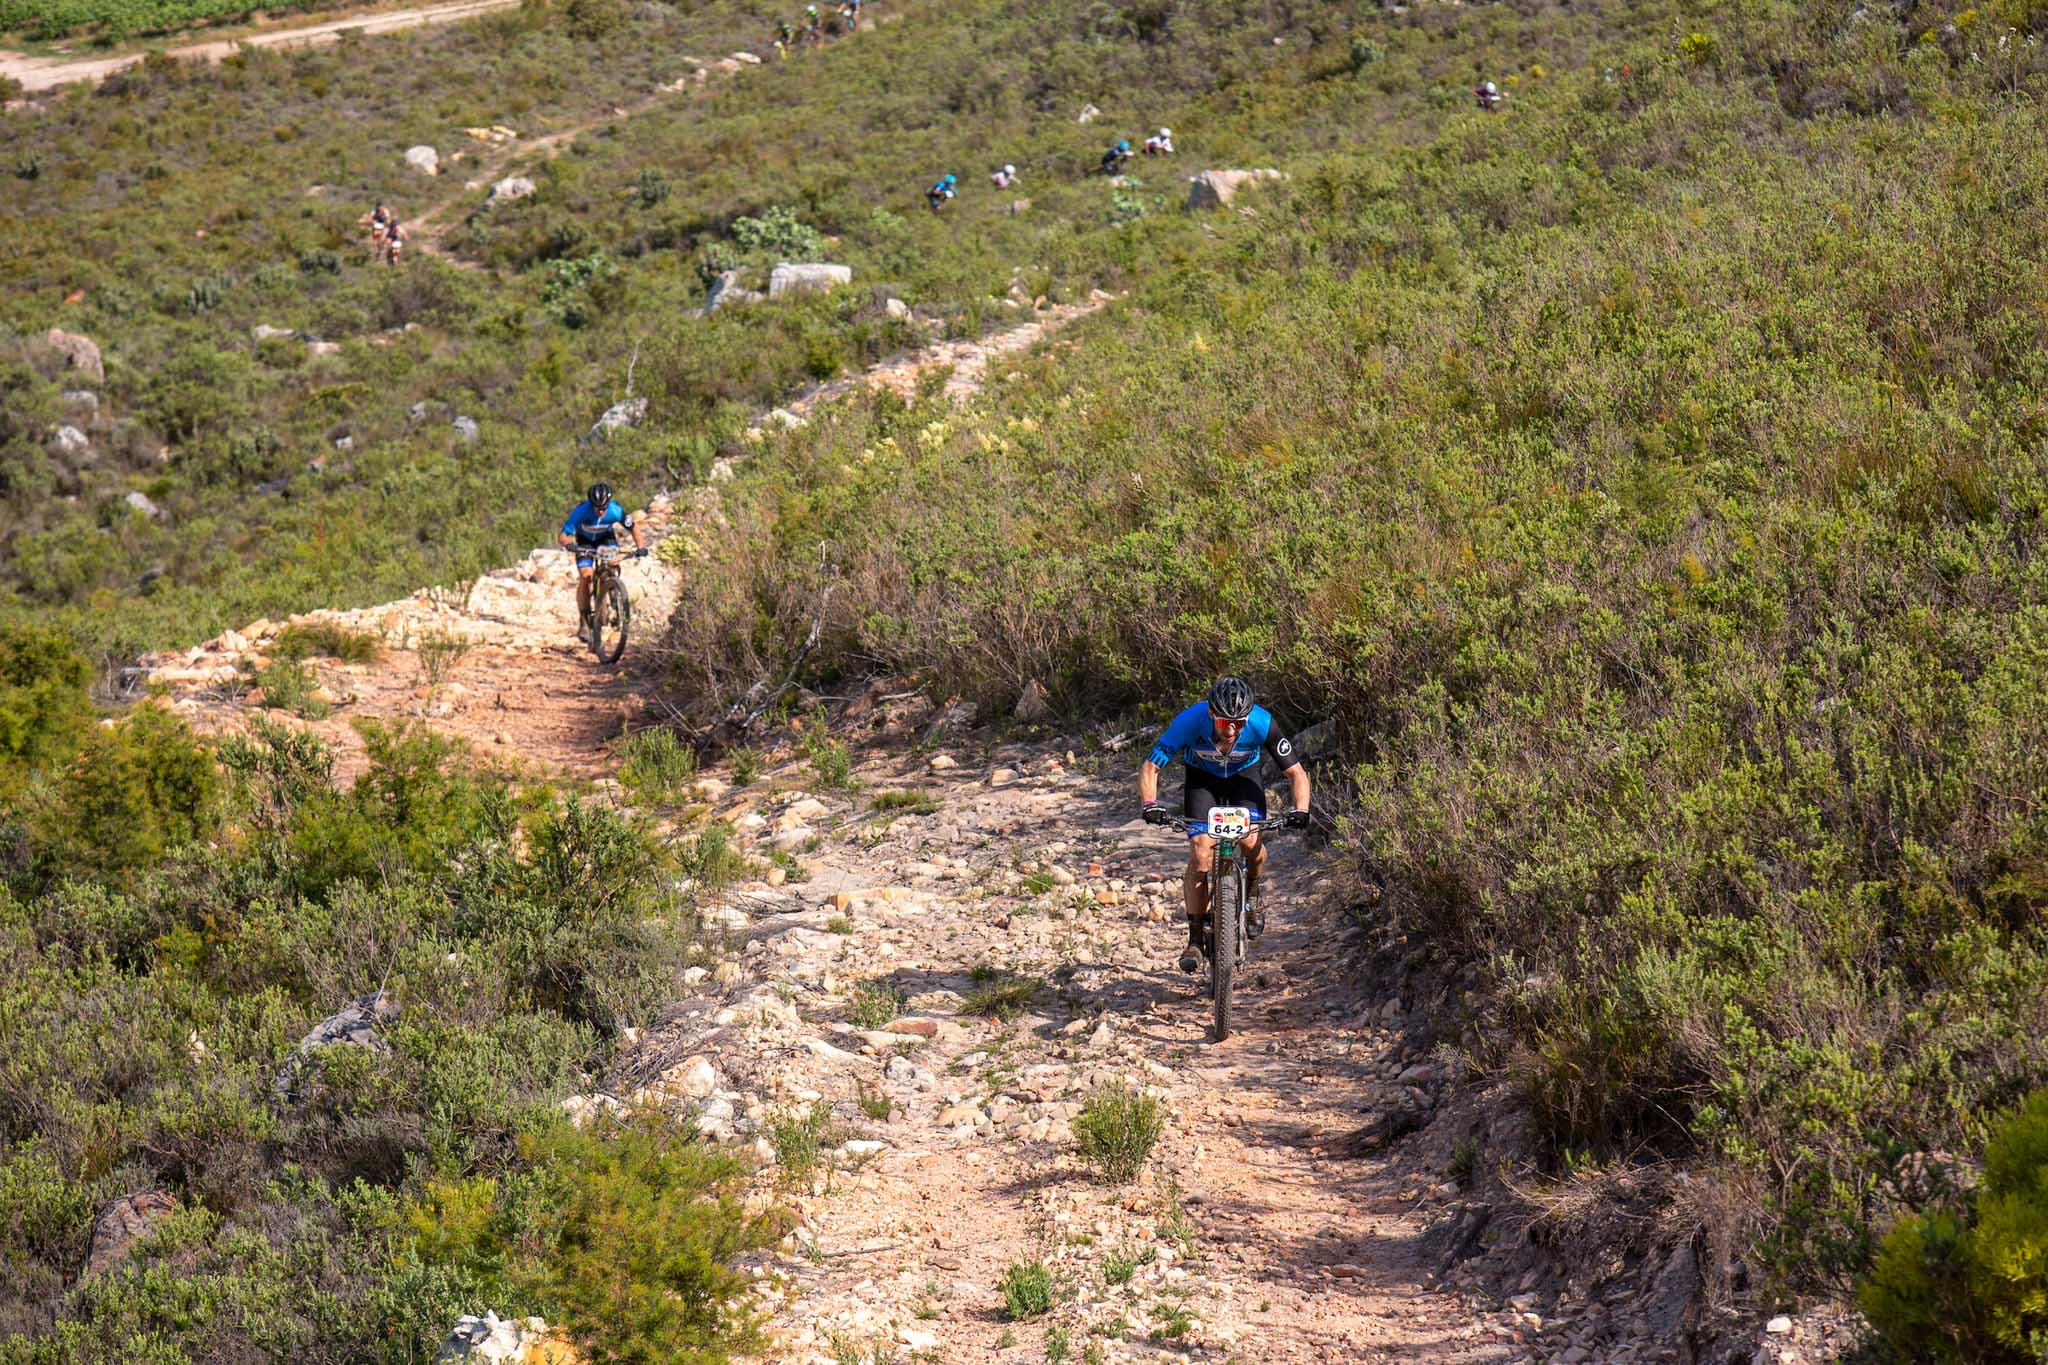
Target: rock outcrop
x,y
725,292
629,413
82,353
792,278
423,159
1215,189
358,1025
120,1224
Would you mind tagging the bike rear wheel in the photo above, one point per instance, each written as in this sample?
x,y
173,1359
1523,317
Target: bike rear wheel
x,y
1226,905
611,614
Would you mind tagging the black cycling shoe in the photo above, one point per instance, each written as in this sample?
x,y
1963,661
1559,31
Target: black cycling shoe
x,y
1254,918
1191,956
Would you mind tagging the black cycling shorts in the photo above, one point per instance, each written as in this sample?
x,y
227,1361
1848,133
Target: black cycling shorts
x,y
1204,790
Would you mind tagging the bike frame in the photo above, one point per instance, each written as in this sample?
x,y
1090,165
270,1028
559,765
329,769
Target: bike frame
x,y
1232,827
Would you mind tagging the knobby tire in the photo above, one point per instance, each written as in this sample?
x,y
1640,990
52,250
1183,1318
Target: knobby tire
x,y
1223,913
612,610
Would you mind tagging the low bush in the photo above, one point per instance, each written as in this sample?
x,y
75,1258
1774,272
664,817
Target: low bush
x,y
658,765
1970,1283
1000,995
875,1003
326,640
1027,1290
288,685
1117,1129
801,1136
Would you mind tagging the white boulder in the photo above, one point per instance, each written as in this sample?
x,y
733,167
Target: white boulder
x,y
1214,189
423,159
790,278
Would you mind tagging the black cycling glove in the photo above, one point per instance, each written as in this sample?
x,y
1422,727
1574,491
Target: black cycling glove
x,y
1297,819
1155,813
640,553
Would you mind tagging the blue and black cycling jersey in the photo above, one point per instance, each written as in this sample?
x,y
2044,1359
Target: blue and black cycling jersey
x,y
593,527
1190,738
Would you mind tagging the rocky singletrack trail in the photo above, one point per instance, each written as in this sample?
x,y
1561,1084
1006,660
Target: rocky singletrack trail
x,y
1254,1235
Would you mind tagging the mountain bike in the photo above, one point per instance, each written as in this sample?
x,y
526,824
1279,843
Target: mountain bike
x,y
611,610
1229,826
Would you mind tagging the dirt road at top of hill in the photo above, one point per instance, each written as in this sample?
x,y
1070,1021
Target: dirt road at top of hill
x,y
39,73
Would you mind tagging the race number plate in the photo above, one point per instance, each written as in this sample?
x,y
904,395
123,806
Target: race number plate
x,y
1229,822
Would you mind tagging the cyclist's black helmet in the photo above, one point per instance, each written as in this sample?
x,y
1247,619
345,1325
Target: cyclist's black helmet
x,y
1231,698
599,497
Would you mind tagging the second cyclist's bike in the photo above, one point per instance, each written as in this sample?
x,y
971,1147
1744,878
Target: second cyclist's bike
x,y
611,609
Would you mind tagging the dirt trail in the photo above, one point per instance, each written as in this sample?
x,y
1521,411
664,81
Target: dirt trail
x,y
1253,1236
46,73
495,661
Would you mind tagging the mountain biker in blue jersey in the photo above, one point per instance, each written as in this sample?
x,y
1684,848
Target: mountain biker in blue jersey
x,y
593,524
940,192
1221,741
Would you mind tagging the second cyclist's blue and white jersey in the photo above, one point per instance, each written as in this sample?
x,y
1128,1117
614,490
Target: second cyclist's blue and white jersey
x,y
1190,738
594,526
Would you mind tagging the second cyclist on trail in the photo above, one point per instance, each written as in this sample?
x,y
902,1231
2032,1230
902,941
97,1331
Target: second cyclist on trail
x,y
1221,741
593,524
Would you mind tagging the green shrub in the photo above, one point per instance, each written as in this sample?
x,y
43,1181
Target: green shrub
x,y
778,232
1000,995
326,640
801,1137
875,1003
916,801
658,764
43,681
1117,1129
641,1268
1972,1285
1119,1267
714,859
290,686
594,19
1027,1290
130,792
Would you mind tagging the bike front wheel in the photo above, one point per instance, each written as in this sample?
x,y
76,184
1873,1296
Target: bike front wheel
x,y
611,614
1225,910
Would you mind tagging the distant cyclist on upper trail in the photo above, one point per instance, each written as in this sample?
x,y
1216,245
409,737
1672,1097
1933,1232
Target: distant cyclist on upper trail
x,y
940,192
1221,741
593,524
1116,158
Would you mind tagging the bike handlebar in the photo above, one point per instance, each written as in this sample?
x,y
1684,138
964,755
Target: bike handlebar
x,y
1276,824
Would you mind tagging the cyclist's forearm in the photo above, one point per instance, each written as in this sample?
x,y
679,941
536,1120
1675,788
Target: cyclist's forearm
x,y
1148,781
1297,780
